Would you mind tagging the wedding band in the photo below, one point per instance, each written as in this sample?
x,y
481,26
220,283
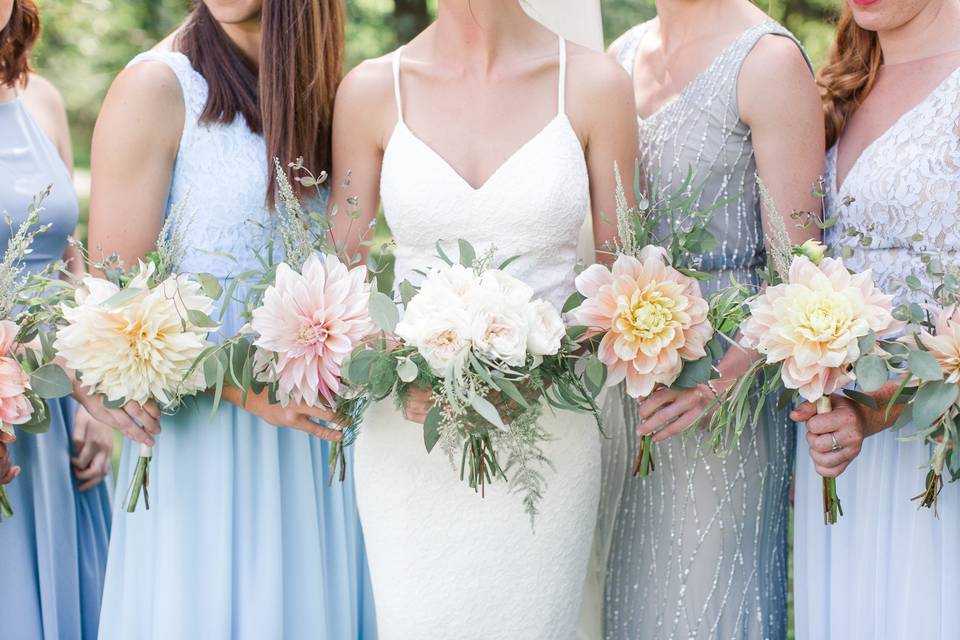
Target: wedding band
x,y
836,445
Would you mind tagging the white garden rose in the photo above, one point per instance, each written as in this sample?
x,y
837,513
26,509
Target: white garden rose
x,y
442,337
505,290
500,333
546,330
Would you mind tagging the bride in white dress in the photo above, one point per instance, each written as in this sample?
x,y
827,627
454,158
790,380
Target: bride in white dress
x,y
887,570
491,128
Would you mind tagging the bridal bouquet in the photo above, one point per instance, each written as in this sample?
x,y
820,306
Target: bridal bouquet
x,y
489,353
27,375
133,336
306,314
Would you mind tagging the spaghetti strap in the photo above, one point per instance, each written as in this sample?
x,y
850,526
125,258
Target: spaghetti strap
x,y
396,83
562,85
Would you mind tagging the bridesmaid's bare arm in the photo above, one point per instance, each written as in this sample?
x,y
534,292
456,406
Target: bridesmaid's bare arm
x,y
363,117
778,99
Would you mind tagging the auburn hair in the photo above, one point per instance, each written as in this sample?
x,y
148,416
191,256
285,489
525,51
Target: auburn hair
x,y
848,77
17,40
289,97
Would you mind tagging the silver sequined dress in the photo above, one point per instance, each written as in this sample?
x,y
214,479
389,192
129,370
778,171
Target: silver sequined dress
x,y
699,548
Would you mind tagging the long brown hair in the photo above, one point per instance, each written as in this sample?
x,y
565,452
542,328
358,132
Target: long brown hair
x,y
290,99
846,80
16,42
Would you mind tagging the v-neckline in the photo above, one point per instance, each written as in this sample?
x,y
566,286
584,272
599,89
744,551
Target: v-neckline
x,y
839,184
696,78
496,172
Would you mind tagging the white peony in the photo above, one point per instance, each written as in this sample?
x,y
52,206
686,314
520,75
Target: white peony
x,y
546,330
500,333
141,348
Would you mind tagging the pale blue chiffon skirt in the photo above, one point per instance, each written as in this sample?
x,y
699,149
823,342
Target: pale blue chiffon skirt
x,y
887,570
53,551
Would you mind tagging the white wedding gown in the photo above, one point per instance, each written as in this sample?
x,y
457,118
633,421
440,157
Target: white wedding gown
x,y
446,563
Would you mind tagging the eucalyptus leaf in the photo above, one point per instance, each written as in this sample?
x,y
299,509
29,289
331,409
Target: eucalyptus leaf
x,y
407,292
924,366
486,410
50,381
510,390
431,429
383,312
861,398
200,319
467,253
694,373
359,368
867,342
407,370
871,373
575,300
594,371
933,399
211,285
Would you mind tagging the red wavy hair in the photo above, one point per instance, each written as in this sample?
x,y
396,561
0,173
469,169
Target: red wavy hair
x,y
17,40
846,80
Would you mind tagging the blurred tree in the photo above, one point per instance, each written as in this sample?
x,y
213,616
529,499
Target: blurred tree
x,y
410,17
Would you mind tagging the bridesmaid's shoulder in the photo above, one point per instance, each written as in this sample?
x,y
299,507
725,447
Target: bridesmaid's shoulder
x,y
629,34
40,94
775,61
366,94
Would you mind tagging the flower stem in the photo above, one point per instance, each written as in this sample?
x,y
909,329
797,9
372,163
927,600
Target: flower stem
x,y
831,501
338,460
140,480
6,511
928,498
644,464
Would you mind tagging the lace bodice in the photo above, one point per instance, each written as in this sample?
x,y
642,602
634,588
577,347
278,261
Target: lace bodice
x,y
219,177
903,192
531,207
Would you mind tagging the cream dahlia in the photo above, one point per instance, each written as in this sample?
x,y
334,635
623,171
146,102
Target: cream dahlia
x,y
813,322
309,323
138,348
15,407
652,316
945,345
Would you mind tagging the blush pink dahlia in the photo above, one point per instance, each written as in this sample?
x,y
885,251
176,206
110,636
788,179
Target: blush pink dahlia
x,y
308,324
15,407
652,316
944,345
813,322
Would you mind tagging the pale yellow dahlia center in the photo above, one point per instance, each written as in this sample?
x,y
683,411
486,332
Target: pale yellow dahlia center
x,y
646,316
824,319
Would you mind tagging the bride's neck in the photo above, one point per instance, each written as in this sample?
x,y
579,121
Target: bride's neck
x,y
478,32
683,20
931,32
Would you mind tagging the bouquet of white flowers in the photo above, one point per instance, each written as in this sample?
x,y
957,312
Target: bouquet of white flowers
x,y
489,352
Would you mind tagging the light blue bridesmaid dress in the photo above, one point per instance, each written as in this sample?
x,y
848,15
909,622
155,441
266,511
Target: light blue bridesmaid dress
x,y
53,551
243,538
